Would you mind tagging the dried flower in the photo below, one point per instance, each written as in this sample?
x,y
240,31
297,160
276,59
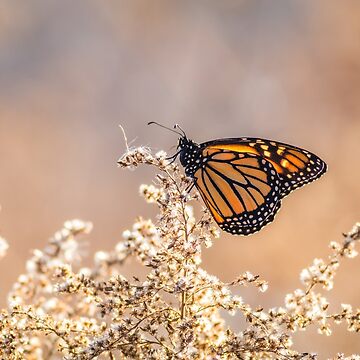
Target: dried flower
x,y
61,309
3,247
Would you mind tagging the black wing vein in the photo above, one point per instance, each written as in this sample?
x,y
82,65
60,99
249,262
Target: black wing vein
x,y
231,184
220,193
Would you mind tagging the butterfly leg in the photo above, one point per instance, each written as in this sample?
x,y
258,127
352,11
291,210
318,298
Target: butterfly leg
x,y
173,157
187,190
190,187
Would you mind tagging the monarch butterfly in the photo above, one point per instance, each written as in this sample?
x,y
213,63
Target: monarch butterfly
x,y
242,180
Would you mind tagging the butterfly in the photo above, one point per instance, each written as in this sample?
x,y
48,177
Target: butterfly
x,y
243,180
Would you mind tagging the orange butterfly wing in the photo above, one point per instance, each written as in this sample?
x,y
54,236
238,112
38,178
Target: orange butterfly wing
x,y
241,190
243,180
295,166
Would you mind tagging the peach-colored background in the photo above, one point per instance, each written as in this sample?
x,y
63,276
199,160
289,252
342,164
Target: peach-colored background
x,y
71,71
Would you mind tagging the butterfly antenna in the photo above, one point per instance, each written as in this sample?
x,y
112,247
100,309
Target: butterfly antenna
x,y
177,126
167,128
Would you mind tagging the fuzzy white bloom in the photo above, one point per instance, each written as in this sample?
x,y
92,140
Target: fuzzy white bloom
x,y
346,308
85,271
126,234
150,192
101,257
335,246
122,248
351,252
15,301
305,276
50,304
31,266
71,250
77,226
263,287
4,246
160,155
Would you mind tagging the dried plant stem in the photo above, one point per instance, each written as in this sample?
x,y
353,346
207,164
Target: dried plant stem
x,y
186,238
186,235
61,309
183,300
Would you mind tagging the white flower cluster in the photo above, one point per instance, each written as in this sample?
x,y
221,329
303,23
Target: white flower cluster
x,y
62,309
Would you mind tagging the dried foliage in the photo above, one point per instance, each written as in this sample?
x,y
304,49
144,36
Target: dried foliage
x,y
58,309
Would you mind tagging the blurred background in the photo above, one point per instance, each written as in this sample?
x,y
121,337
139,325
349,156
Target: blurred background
x,y
71,72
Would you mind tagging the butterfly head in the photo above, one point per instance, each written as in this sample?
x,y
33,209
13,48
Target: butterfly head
x,y
188,150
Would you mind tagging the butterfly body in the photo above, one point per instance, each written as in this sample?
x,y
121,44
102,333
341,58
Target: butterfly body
x,y
242,180
190,156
